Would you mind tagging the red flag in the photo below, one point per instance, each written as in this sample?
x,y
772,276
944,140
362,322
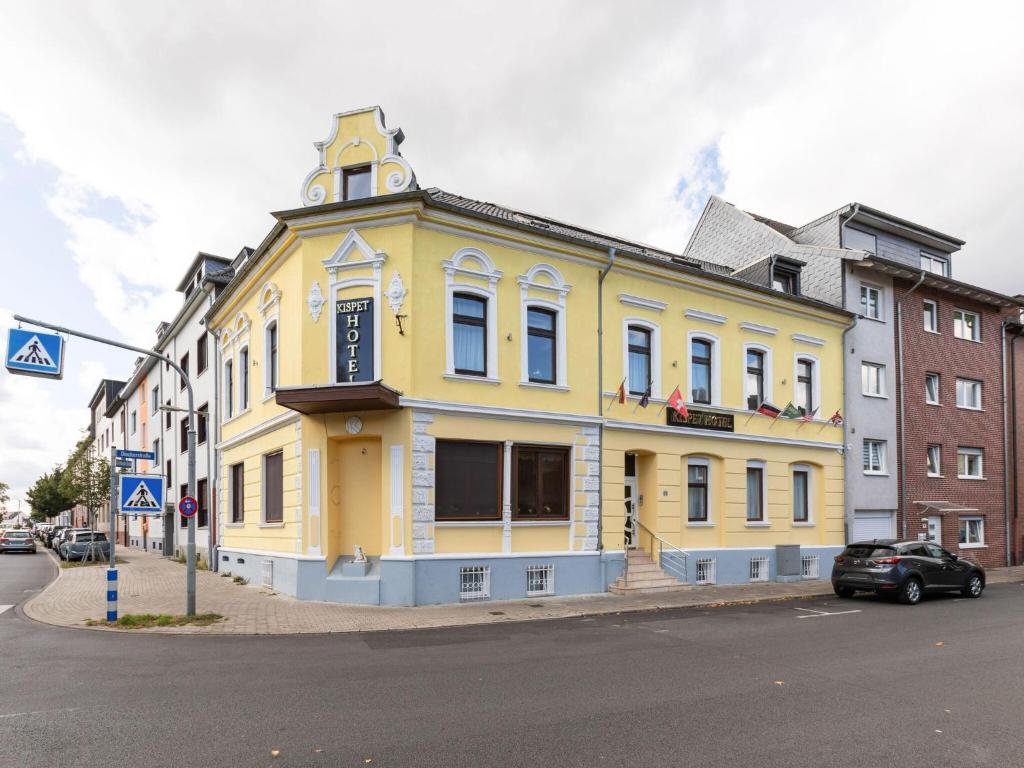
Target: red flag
x,y
809,416
836,419
675,402
767,409
621,393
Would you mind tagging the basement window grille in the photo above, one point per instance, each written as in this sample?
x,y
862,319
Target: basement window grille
x,y
475,582
540,580
759,568
809,568
705,570
268,574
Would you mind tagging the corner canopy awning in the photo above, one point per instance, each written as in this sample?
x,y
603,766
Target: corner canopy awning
x,y
942,507
338,398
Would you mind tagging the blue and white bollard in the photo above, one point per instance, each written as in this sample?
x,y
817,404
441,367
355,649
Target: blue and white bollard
x,y
111,594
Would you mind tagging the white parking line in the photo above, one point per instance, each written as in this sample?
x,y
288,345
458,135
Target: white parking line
x,y
813,614
5,608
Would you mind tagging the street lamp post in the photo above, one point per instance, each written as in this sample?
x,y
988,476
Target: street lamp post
x,y
190,566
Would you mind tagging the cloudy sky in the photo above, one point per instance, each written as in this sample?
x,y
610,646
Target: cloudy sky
x,y
134,134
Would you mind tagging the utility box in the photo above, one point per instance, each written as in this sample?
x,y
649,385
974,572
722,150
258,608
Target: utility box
x,y
787,562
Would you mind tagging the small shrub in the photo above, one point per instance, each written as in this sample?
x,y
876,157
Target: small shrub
x,y
240,580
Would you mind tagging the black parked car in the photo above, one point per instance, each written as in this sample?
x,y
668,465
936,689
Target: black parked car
x,y
905,569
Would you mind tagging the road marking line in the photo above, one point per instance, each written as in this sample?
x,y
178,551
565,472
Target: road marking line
x,y
819,615
5,608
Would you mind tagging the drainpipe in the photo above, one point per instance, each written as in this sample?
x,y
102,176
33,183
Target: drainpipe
x,y
842,226
846,420
600,411
902,419
212,440
1008,470
1015,530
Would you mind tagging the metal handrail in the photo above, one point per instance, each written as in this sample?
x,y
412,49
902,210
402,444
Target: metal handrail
x,y
674,564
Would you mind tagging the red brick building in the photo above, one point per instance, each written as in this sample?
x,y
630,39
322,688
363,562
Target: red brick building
x,y
954,437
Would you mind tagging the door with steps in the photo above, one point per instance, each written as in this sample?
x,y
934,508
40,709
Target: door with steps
x,y
644,576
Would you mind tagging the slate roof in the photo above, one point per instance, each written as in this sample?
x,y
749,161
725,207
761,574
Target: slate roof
x,y
778,226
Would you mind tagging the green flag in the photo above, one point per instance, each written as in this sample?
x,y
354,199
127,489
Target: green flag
x,y
790,412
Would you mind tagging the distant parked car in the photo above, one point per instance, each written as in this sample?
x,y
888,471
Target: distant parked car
x,y
904,569
17,541
75,546
62,535
50,537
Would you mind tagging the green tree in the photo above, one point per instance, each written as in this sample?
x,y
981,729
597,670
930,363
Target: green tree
x,y
5,494
47,496
87,479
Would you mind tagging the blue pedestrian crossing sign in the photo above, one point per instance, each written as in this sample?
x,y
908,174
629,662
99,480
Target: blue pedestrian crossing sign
x,y
141,494
31,353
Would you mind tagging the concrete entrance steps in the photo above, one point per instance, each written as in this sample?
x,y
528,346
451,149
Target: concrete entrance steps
x,y
350,582
645,577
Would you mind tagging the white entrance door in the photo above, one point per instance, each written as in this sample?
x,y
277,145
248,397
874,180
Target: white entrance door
x,y
631,498
868,526
935,529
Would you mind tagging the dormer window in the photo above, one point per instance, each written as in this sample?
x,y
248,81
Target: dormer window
x,y
934,264
356,182
786,276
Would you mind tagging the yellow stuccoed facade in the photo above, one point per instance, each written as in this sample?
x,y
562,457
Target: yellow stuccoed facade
x,y
333,407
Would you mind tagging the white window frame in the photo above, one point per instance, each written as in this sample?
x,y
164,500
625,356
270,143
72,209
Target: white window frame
x,y
810,567
965,385
933,259
959,323
155,403
229,389
883,458
965,523
938,388
707,566
135,421
765,520
545,574
716,365
809,470
977,453
242,372
879,369
557,290
760,568
860,232
937,450
699,461
769,377
815,378
456,269
934,307
655,331
867,288
267,392
474,571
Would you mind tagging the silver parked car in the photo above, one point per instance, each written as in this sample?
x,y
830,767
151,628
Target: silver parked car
x,y
17,541
75,546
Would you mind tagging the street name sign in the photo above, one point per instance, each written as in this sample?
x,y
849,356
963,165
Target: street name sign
x,y
144,455
32,353
141,494
188,506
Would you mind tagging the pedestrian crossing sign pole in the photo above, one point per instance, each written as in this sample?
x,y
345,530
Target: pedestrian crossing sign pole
x,y
34,353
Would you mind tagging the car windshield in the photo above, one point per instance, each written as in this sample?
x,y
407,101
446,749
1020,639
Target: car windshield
x,y
867,551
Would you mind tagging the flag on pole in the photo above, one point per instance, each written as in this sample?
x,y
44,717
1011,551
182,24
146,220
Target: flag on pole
x,y
836,420
790,412
767,409
621,392
675,402
646,399
809,416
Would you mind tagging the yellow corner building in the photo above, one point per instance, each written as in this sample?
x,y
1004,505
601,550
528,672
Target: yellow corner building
x,y
420,402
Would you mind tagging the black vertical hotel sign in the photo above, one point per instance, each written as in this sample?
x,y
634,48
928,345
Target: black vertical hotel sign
x,y
354,340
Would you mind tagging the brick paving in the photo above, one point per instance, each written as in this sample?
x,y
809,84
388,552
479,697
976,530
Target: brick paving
x,y
153,584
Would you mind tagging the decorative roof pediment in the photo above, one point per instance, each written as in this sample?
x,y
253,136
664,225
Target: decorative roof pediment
x,y
354,252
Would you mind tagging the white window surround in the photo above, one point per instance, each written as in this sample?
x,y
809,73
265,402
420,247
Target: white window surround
x,y
815,378
229,389
881,453
243,381
764,522
699,461
976,338
868,288
968,390
232,340
716,365
809,469
267,394
933,455
965,527
865,379
472,263
769,375
641,303
655,331
934,316
352,254
557,289
971,453
938,384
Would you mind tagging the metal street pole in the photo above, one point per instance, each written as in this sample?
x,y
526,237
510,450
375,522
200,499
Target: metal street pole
x,y
112,566
190,559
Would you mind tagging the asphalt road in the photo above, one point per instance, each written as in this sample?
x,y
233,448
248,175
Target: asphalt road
x,y
939,684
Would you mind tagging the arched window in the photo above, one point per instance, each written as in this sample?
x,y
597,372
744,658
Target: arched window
x,y
271,358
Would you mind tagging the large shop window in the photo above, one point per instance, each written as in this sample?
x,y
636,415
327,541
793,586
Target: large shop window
x,y
639,360
273,487
469,334
540,485
467,480
541,331
697,492
700,371
755,379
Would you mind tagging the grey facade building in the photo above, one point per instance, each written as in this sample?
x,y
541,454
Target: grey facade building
x,y
832,256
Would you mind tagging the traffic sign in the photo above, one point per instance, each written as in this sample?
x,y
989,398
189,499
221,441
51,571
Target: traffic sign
x,y
188,506
144,455
141,494
32,353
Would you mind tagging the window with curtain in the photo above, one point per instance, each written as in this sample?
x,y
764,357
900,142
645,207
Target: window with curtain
x,y
700,371
469,334
639,360
805,386
755,379
755,497
273,487
697,493
541,335
801,496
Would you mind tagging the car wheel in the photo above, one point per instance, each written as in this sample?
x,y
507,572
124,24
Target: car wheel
x,y
844,592
975,586
910,593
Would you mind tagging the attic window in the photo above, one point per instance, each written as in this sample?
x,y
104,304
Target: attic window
x,y
786,279
356,182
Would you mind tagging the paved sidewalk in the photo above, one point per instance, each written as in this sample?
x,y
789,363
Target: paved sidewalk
x,y
153,584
